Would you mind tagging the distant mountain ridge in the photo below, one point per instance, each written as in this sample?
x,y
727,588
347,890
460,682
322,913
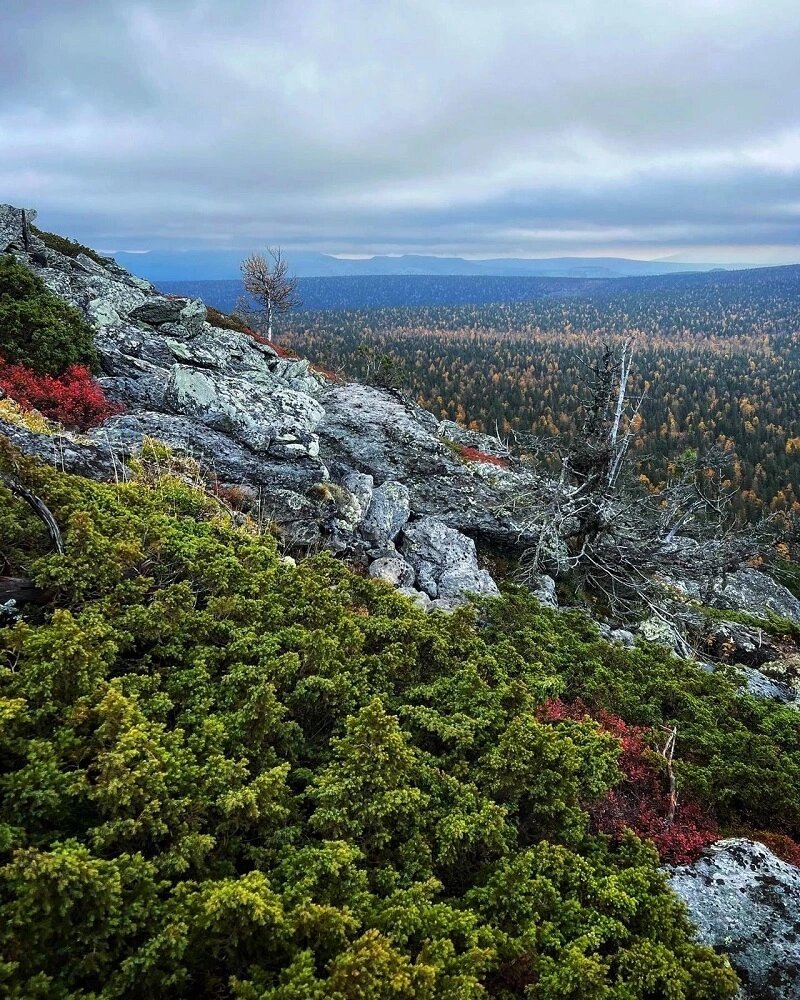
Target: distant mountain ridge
x,y
220,265
413,290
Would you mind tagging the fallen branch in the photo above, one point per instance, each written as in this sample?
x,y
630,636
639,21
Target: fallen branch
x,y
39,507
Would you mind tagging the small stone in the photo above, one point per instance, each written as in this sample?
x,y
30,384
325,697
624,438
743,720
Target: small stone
x,y
394,570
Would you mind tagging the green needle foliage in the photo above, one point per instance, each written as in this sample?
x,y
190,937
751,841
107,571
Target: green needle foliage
x,y
223,776
37,328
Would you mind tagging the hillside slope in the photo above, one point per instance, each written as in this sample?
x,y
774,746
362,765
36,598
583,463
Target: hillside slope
x,y
231,772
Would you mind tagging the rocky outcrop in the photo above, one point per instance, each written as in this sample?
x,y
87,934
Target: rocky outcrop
x,y
444,561
14,232
755,593
745,901
346,466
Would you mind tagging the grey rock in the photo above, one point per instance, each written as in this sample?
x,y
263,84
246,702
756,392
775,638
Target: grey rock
x,y
418,596
754,592
94,459
361,486
159,309
444,560
377,432
447,604
543,588
486,443
13,233
259,414
623,637
220,455
295,518
663,633
393,570
91,266
745,901
388,511
761,686
382,553
193,315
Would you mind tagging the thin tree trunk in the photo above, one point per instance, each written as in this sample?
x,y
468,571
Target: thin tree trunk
x,y
269,320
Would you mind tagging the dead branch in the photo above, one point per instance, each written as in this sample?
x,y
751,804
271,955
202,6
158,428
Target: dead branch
x,y
39,508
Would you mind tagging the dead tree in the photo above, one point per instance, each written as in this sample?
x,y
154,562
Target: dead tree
x,y
267,281
620,543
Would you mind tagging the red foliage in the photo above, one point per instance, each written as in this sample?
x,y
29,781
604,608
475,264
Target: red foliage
x,y
474,455
640,801
780,844
73,398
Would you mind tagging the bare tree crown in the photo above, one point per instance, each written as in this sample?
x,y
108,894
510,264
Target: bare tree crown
x,y
266,279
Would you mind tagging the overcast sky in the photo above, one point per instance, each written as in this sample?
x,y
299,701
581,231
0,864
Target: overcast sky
x,y
530,128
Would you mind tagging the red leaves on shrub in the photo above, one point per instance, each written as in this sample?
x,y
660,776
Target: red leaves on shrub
x,y
641,800
780,844
474,455
73,398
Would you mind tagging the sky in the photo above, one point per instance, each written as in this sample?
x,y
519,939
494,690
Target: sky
x,y
532,128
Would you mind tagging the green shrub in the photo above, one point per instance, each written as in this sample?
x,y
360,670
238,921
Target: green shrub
x,y
225,776
66,246
37,328
225,321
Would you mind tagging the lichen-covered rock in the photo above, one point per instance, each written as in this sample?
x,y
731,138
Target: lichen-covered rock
x,y
754,592
543,588
394,570
485,443
259,413
13,233
388,511
663,633
745,901
362,487
219,454
159,309
444,560
79,454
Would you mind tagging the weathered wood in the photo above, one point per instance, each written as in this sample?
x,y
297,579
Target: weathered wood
x,y
38,506
20,589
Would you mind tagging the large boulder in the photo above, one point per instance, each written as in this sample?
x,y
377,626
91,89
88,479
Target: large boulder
x,y
388,511
159,309
394,570
444,560
378,432
745,901
258,412
220,455
754,592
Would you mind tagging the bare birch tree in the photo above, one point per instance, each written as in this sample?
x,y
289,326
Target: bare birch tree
x,y
266,279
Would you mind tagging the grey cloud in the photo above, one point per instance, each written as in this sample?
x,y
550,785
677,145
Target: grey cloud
x,y
351,126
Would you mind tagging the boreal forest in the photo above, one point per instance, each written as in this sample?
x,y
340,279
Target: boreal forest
x,y
717,357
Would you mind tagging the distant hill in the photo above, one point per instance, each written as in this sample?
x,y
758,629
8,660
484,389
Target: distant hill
x,y
392,291
398,291
203,265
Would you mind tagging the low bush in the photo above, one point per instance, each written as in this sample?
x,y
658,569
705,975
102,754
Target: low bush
x,y
66,246
37,328
74,399
223,776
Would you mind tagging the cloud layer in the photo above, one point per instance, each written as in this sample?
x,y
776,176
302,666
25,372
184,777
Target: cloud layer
x,y
447,126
